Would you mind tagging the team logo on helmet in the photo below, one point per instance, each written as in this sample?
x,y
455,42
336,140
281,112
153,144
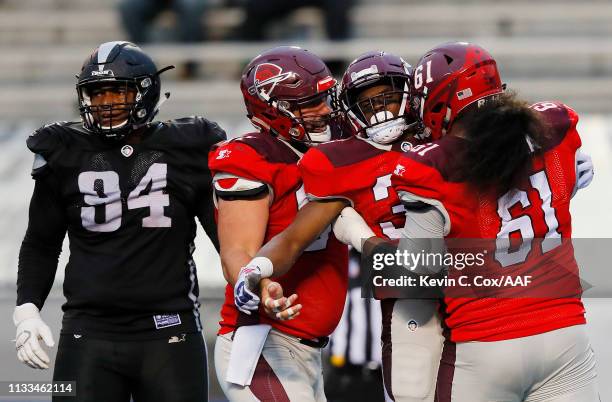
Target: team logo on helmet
x,y
108,73
268,74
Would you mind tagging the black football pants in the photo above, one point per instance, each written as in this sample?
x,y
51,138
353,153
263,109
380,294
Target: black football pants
x,y
167,369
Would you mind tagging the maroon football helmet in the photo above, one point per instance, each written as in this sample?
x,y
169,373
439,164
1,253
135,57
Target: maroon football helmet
x,y
280,84
451,77
385,114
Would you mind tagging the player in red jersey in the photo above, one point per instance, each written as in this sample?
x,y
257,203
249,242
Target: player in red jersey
x,y
376,95
289,95
499,170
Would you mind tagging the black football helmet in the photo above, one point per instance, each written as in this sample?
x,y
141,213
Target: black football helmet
x,y
121,64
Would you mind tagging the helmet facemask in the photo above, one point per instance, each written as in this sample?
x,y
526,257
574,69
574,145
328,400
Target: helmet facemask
x,y
311,117
379,107
115,119
123,68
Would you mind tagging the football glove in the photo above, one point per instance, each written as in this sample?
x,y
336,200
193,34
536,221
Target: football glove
x,y
584,169
31,328
350,228
246,289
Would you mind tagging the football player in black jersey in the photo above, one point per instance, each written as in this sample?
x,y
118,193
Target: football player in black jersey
x,y
127,190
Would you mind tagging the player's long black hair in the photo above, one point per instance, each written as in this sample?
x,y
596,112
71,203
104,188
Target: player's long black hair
x,y
504,135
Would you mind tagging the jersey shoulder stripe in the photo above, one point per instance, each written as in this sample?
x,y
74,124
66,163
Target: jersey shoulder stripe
x,y
442,156
256,157
349,151
559,118
269,147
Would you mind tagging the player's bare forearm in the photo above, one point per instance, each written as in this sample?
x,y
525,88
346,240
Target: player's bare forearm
x,y
242,227
286,247
232,260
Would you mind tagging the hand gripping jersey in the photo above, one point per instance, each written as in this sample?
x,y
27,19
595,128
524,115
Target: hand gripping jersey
x,y
539,209
319,276
129,211
359,171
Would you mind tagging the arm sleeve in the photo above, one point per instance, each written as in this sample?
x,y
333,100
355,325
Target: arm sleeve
x,y
206,215
423,232
422,235
324,181
42,244
419,186
423,222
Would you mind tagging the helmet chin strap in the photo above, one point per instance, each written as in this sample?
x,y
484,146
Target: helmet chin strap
x,y
116,126
319,138
387,132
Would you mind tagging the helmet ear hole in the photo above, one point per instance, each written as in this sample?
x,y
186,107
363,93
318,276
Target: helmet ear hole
x,y
437,108
268,115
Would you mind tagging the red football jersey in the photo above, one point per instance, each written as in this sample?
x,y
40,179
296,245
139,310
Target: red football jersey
x,y
319,276
359,171
539,209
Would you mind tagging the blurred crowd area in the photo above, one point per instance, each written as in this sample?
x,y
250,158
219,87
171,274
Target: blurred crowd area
x,y
547,49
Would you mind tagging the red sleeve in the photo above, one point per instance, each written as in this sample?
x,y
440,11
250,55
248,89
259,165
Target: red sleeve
x,y
563,142
240,160
573,140
323,180
417,178
417,181
562,120
568,148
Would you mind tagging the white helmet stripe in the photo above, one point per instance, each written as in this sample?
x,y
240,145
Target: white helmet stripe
x,y
362,124
422,107
104,50
402,109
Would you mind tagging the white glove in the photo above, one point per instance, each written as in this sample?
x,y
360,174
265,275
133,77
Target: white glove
x,y
350,228
584,169
246,288
31,328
